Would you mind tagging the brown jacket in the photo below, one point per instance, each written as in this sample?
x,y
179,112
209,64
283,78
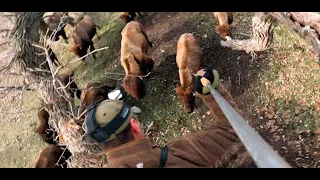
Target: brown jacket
x,y
210,147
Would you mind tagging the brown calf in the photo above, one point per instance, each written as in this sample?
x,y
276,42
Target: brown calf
x,y
53,156
65,80
189,61
126,17
225,19
94,92
82,35
43,129
134,58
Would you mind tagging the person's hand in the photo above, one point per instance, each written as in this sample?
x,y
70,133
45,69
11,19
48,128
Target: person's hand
x,y
200,72
204,77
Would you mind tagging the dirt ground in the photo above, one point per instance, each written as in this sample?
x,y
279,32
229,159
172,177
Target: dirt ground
x,y
287,120
19,145
277,90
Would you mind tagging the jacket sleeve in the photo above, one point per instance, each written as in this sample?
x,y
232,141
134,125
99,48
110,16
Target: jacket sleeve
x,y
209,146
209,101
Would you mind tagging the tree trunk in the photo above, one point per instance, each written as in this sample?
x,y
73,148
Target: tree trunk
x,y
306,24
25,32
262,31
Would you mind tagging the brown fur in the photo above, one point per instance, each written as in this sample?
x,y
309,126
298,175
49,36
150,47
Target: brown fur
x,y
82,35
134,86
186,96
50,156
94,92
52,22
43,130
225,19
189,61
65,79
134,58
126,17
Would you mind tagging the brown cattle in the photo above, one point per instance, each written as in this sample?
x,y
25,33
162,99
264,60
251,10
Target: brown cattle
x,y
126,17
53,156
82,35
94,92
134,58
225,19
43,129
189,61
65,80
52,22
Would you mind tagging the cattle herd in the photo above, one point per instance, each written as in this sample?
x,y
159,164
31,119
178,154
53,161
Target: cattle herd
x,y
135,61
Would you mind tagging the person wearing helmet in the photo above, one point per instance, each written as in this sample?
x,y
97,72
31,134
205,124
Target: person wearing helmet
x,y
113,125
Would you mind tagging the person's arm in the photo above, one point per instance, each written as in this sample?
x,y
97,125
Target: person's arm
x,y
215,110
208,99
207,147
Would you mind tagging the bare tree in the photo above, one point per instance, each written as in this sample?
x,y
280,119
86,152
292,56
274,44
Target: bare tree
x,y
54,94
64,119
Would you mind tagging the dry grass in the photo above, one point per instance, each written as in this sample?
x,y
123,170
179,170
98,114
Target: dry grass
x,y
19,144
285,99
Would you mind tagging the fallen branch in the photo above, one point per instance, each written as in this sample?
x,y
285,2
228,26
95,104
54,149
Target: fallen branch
x,y
64,150
78,59
37,70
65,94
17,88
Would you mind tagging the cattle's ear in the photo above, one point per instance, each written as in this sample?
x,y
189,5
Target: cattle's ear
x,y
179,89
189,89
